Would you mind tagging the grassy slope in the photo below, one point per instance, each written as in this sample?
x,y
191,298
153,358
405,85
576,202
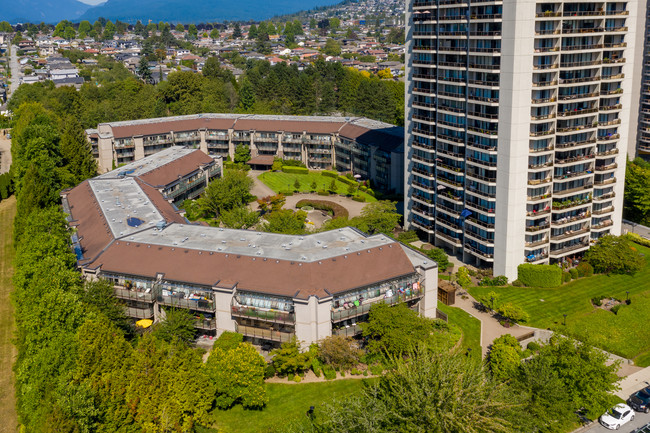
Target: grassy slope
x,y
621,334
279,181
286,403
7,350
470,326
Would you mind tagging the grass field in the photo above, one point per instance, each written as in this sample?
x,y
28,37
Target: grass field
x,y
279,181
621,334
470,326
7,350
286,403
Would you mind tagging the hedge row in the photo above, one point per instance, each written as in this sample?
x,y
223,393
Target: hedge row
x,y
330,173
335,208
539,275
295,170
634,237
347,181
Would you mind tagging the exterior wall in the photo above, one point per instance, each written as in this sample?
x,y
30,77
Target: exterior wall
x,y
514,119
640,118
313,320
429,302
222,300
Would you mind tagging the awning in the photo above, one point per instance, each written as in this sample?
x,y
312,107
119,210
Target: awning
x,y
144,323
261,160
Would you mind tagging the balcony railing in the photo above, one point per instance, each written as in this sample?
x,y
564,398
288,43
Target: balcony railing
x,y
206,324
347,331
569,249
343,313
139,313
199,305
263,315
134,295
264,334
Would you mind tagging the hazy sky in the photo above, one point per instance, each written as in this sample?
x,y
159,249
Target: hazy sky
x,y
92,2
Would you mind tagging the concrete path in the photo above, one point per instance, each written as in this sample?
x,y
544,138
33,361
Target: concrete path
x,y
259,189
15,70
5,153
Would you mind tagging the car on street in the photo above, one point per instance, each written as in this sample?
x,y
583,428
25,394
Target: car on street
x,y
644,429
640,400
617,416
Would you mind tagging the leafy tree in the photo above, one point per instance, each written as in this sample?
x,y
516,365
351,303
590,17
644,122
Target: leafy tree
x,y
69,33
239,218
5,27
614,255
99,296
285,221
312,23
334,23
339,352
85,28
504,357
212,67
246,95
180,28
242,154
143,70
76,152
271,203
226,193
252,32
178,326
427,392
379,217
288,359
513,312
332,47
214,33
439,256
192,31
463,278
138,29
239,376
109,31
394,330
637,191
17,38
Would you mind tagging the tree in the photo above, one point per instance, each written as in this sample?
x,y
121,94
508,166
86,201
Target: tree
x,y
637,191
463,278
192,31
180,28
426,392
288,359
76,152
212,67
242,154
236,33
69,33
285,221
439,256
239,218
17,38
239,375
379,217
339,352
143,70
214,33
512,312
178,326
138,29
5,27
385,74
332,47
109,31
312,23
246,95
252,32
504,357
394,330
226,193
99,296
614,255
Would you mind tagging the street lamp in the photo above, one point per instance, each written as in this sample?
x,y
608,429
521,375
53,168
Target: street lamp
x,y
492,303
564,319
627,298
469,352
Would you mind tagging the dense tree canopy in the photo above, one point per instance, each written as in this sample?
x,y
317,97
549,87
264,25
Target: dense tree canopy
x,y
637,192
614,254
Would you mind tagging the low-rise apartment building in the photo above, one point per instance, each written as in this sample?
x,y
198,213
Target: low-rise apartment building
x,y
268,287
373,150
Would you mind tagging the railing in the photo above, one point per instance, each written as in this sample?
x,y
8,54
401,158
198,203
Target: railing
x,y
263,315
135,295
569,249
605,181
264,334
207,324
347,331
341,314
200,305
570,233
139,313
603,210
537,228
567,220
487,256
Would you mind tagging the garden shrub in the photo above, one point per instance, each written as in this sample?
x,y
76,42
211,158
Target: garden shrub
x,y
597,300
615,308
499,281
328,372
517,283
638,239
329,206
347,181
408,237
329,173
295,170
539,275
363,188
513,312
370,192
566,277
574,273
316,366
297,378
462,276
359,198
286,193
533,346
376,369
228,340
323,192
269,371
585,269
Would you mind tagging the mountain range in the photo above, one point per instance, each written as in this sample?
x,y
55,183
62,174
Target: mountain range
x,y
36,11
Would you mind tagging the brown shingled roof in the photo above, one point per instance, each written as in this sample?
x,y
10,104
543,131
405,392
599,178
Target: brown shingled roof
x,y
164,207
92,228
278,277
272,125
165,126
168,173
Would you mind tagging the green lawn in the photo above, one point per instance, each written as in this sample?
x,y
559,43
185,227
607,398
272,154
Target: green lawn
x,y
621,334
286,403
470,326
280,181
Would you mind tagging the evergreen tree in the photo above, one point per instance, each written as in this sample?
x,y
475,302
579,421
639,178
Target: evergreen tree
x,y
236,33
143,70
76,152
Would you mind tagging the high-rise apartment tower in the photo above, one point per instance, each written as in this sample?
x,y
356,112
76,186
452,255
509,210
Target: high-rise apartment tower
x,y
517,124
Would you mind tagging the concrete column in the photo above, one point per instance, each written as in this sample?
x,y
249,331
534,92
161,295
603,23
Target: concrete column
x,y
429,302
313,320
204,144
222,302
254,151
231,147
280,151
106,157
138,151
517,48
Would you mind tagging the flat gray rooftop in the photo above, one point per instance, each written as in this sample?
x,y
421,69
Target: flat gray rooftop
x,y
147,164
121,199
307,248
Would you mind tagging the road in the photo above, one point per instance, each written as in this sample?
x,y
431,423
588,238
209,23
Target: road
x,y
629,226
15,70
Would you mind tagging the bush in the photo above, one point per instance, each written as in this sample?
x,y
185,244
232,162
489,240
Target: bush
x,y
533,346
297,378
499,281
597,301
328,206
376,369
359,198
328,372
585,269
574,273
339,352
295,170
316,366
462,276
347,181
363,188
517,283
566,277
329,173
615,308
408,237
512,312
539,275
323,192
269,371
370,192
228,340
634,237
355,372
286,193
614,254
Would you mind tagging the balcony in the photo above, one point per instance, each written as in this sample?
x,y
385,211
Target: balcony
x,y
133,295
481,254
449,239
536,228
603,197
606,167
570,249
571,219
602,225
264,334
347,331
536,243
604,210
561,205
205,324
264,315
350,310
570,233
139,313
191,304
535,258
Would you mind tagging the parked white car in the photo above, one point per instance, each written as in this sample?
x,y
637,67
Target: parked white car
x,y
617,416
